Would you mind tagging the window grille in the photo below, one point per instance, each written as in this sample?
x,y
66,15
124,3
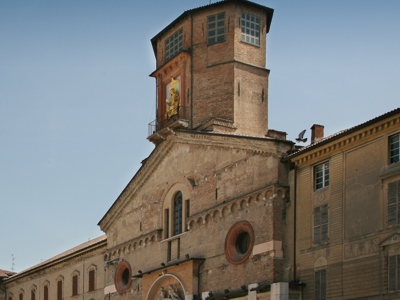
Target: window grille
x,y
216,28
250,29
173,44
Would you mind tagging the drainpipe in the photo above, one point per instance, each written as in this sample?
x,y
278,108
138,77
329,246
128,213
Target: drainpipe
x,y
294,223
191,74
198,278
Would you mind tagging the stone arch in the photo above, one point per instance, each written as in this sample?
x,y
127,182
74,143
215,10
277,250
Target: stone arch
x,y
234,208
162,285
243,204
208,219
280,194
191,224
199,221
225,211
216,215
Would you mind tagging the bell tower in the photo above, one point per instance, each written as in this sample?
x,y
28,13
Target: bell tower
x,y
211,71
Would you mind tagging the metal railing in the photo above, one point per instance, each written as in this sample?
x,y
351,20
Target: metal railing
x,y
163,121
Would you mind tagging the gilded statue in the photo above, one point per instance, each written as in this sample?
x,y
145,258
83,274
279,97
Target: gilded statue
x,y
173,101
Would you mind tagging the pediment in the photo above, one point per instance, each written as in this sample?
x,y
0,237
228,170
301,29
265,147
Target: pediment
x,y
184,156
393,239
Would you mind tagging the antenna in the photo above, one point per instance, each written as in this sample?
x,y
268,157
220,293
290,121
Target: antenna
x,y
12,262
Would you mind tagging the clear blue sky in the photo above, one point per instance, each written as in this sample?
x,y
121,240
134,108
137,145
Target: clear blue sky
x,y
76,98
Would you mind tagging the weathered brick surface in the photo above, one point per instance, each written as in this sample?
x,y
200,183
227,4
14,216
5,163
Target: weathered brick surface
x,y
227,80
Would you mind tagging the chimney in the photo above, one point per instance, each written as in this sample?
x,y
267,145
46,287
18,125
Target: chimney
x,y
317,133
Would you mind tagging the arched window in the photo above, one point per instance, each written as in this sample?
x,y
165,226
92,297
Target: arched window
x,y
92,278
178,213
176,210
33,292
46,285
60,282
74,284
46,292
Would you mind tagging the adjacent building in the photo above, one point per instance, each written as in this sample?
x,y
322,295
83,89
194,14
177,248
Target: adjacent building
x,y
74,274
345,203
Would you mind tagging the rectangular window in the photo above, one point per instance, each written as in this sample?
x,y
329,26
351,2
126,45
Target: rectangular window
x,y
321,224
321,176
394,145
91,280
320,285
250,29
33,294
393,203
173,44
21,296
216,28
394,273
74,285
59,290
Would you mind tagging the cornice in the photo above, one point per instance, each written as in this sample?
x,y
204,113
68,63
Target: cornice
x,y
262,146
267,193
173,63
134,244
61,258
344,140
134,185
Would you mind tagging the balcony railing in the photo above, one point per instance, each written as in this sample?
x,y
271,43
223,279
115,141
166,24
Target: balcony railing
x,y
162,122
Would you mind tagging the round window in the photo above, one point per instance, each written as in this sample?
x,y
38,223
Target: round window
x,y
239,242
123,277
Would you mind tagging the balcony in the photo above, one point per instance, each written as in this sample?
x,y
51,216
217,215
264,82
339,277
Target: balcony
x,y
162,126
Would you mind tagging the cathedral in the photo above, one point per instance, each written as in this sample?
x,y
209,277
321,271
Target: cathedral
x,y
225,207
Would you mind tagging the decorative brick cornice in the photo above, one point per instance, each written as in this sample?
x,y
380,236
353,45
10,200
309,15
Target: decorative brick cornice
x,y
229,206
344,140
134,244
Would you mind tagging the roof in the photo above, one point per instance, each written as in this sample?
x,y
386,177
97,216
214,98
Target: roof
x,y
64,255
268,11
5,273
343,133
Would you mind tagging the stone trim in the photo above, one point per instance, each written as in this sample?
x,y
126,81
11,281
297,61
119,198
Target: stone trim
x,y
218,211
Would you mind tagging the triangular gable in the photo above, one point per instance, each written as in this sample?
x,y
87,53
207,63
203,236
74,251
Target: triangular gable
x,y
391,240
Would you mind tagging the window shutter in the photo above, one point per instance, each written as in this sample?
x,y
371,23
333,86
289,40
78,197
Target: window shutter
x,y
392,273
323,284
317,287
393,209
317,223
324,223
91,280
59,290
320,285
46,293
75,285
